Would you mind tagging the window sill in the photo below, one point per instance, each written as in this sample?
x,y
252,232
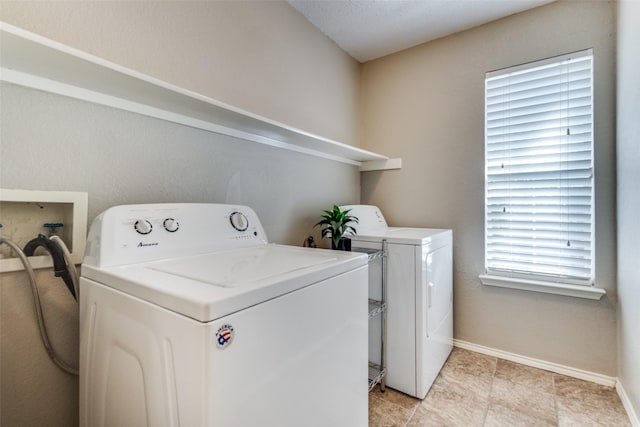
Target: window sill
x,y
578,291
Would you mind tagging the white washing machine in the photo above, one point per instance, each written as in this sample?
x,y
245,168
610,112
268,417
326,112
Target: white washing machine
x,y
188,316
419,335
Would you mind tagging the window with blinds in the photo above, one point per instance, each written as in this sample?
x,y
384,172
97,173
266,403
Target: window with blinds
x,y
539,220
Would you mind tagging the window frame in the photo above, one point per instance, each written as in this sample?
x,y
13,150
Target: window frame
x,y
541,282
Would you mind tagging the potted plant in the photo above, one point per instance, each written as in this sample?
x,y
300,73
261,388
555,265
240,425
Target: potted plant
x,y
336,225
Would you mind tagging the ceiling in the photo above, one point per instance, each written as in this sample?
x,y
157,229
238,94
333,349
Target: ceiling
x,y
369,29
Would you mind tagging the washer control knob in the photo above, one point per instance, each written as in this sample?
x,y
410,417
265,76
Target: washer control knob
x,y
171,225
239,221
143,226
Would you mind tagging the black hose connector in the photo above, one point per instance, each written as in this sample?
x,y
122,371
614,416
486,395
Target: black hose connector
x,y
60,267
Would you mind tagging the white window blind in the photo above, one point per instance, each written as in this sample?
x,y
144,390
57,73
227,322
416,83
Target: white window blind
x,y
539,170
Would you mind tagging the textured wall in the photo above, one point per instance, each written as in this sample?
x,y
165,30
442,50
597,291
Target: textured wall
x,y
260,56
51,142
54,143
426,105
34,391
629,200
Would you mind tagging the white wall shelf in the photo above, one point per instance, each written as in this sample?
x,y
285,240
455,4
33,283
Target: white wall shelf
x,y
30,60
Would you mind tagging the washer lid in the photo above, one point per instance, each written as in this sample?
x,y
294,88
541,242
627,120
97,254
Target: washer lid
x,y
405,235
212,285
241,268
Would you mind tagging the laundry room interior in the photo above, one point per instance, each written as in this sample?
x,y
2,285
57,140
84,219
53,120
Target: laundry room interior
x,y
301,126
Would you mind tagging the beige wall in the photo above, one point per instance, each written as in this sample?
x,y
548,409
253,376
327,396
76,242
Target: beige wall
x,y
629,200
260,56
33,391
426,105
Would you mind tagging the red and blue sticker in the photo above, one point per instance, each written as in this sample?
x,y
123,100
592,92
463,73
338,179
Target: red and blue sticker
x,y
224,335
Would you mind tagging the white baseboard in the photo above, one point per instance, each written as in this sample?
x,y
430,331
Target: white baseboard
x,y
541,364
626,402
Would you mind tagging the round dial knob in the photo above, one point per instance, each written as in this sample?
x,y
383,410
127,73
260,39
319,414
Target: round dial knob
x,y
239,221
143,226
171,225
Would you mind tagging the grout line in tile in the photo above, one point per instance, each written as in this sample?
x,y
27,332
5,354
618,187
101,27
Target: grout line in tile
x,y
413,413
396,405
555,397
486,408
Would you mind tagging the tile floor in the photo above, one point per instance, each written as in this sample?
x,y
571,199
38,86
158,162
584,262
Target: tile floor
x,y
478,390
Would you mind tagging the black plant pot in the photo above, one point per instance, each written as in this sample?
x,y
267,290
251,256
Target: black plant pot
x,y
343,245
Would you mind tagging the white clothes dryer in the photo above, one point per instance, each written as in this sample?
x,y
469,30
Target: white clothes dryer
x,y
419,331
188,316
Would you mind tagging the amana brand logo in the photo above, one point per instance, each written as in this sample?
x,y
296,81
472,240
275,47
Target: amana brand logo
x,y
141,245
224,335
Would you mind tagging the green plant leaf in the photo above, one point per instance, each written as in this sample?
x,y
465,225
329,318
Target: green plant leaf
x,y
335,224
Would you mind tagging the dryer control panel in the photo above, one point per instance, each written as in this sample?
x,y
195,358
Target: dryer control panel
x,y
138,233
370,218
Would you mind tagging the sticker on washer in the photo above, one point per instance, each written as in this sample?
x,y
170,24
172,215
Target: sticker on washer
x,y
224,335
